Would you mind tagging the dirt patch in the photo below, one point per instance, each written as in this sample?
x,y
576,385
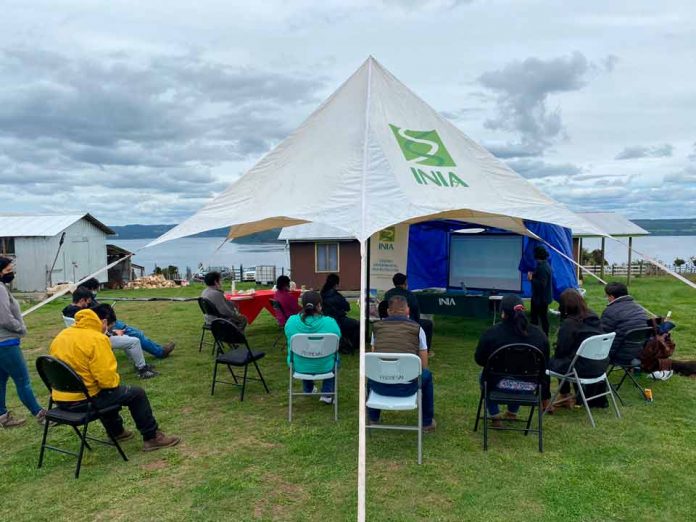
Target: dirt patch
x,y
155,465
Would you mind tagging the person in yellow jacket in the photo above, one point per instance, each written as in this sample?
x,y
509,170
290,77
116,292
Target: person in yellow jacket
x,y
86,349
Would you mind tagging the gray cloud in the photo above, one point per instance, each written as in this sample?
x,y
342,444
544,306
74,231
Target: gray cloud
x,y
640,151
536,169
523,88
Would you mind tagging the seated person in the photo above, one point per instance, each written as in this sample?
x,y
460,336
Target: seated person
x,y
513,328
226,309
397,333
287,301
336,306
81,300
147,344
311,320
86,349
622,314
401,288
578,323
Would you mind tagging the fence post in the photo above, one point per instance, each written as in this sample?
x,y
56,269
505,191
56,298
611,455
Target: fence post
x,y
640,268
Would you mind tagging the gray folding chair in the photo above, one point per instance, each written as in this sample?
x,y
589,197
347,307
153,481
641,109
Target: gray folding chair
x,y
313,346
596,348
633,343
395,368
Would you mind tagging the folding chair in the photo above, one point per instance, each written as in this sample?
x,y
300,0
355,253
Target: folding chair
x,y
595,348
68,321
208,308
519,362
314,346
395,368
633,344
239,354
58,376
279,312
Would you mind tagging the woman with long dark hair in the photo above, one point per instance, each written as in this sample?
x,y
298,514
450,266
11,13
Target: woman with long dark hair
x,y
12,363
336,306
286,300
311,320
578,323
512,329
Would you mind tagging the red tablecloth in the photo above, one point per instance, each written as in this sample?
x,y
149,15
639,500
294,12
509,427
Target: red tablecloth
x,y
250,305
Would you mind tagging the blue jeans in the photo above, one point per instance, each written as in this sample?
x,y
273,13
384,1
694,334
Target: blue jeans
x,y
12,365
327,385
404,390
146,343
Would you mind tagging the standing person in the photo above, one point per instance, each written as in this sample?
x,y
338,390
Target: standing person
x,y
512,329
336,306
226,309
12,363
542,289
287,301
311,320
578,323
401,288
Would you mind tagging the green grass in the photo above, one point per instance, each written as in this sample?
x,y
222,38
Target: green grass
x,y
244,461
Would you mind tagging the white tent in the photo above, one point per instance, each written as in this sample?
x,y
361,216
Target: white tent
x,y
371,156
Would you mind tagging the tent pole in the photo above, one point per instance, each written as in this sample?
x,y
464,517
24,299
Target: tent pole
x,y
630,251
361,384
601,268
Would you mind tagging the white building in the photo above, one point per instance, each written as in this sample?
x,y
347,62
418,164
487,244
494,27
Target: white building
x,y
35,242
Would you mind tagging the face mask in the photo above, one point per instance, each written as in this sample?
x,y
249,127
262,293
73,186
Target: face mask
x,y
7,278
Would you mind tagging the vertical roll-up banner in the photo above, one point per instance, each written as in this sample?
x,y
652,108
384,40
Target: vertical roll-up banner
x,y
388,255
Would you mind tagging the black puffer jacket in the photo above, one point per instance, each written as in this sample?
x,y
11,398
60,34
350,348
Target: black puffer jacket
x,y
620,316
334,304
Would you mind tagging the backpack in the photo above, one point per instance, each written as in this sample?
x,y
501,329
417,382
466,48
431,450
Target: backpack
x,y
659,346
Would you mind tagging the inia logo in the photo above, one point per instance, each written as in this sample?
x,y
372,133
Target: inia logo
x,y
426,148
423,147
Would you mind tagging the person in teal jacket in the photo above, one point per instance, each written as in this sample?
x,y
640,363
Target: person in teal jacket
x,y
310,320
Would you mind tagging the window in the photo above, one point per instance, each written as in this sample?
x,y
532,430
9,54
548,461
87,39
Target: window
x,y
326,257
7,246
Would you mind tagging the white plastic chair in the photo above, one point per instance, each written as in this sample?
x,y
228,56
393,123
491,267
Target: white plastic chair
x,y
69,321
313,346
395,368
596,348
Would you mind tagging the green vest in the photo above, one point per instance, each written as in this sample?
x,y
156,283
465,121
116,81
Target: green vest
x,y
397,336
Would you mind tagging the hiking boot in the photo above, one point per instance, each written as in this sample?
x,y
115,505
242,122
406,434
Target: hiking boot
x,y
8,421
430,427
509,415
41,417
326,399
125,435
146,373
566,400
546,407
168,349
160,441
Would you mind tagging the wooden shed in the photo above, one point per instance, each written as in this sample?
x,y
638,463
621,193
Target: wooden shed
x,y
51,249
317,251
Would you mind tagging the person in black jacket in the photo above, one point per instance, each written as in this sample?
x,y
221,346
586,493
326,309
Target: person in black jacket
x,y
514,328
621,315
578,323
542,289
336,306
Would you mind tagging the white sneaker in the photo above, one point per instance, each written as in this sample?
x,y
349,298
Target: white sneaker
x,y
326,399
315,390
662,375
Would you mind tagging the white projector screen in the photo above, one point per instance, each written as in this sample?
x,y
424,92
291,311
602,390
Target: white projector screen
x,y
488,262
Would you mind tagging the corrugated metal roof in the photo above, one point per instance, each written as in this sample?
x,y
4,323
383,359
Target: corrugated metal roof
x,y
43,225
612,223
312,232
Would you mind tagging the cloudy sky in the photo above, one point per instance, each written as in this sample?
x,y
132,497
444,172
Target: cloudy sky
x,y
140,111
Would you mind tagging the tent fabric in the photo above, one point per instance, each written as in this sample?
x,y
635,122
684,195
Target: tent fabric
x,y
428,254
564,272
373,155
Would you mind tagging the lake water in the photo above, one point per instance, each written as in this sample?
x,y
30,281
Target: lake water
x,y
192,251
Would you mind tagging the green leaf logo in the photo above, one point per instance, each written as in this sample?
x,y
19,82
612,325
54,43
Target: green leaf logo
x,y
423,147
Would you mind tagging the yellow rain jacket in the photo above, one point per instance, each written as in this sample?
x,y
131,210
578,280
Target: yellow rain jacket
x,y
88,352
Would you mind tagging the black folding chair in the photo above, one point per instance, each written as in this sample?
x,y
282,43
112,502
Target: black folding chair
x,y
208,308
520,362
281,334
632,345
58,376
239,354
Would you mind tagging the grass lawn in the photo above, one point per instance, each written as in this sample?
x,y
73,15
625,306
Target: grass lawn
x,y
244,461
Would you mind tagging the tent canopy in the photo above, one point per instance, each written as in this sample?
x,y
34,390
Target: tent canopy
x,y
371,156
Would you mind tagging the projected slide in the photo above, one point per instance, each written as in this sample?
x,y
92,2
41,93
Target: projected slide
x,y
485,262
